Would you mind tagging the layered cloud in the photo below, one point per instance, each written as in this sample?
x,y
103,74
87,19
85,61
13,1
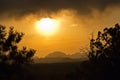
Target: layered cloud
x,y
21,8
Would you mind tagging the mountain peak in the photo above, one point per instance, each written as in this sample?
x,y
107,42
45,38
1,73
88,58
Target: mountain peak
x,y
56,54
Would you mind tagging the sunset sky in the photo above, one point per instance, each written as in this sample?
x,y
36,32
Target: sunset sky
x,y
74,22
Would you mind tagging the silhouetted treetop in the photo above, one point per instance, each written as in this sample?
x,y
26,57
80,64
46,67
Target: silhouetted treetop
x,y
9,52
106,47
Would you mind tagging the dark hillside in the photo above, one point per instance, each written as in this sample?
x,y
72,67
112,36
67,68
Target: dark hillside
x,y
54,71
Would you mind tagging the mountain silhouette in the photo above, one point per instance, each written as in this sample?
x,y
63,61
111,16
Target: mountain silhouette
x,y
75,55
58,57
56,54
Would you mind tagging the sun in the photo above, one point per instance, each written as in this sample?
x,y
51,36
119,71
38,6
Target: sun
x,y
47,26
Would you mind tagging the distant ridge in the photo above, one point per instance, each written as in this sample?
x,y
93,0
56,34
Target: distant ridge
x,y
57,54
58,57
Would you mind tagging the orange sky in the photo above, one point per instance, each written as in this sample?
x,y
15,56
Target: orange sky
x,y
74,32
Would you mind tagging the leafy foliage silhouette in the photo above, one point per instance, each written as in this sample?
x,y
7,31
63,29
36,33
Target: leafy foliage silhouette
x,y
9,52
11,58
106,47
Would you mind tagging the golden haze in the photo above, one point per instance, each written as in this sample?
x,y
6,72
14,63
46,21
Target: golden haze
x,y
74,30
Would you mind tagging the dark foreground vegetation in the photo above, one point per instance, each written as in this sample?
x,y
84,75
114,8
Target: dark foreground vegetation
x,y
103,63
62,71
72,71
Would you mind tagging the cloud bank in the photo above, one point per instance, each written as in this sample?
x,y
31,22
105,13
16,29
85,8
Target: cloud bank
x,y
21,8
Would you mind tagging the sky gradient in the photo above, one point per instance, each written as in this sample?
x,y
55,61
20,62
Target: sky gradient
x,y
78,19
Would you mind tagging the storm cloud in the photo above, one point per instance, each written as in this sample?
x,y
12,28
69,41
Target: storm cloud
x,y
26,7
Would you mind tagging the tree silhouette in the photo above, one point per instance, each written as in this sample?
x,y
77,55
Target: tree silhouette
x,y
106,47
9,52
12,59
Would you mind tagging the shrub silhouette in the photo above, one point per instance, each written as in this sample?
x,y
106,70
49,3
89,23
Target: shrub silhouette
x,y
106,47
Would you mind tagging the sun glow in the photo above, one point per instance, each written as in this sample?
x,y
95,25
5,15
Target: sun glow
x,y
47,26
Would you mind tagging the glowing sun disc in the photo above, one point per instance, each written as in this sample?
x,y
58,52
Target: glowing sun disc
x,y
47,26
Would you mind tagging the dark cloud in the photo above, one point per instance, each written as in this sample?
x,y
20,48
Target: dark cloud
x,y
25,7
